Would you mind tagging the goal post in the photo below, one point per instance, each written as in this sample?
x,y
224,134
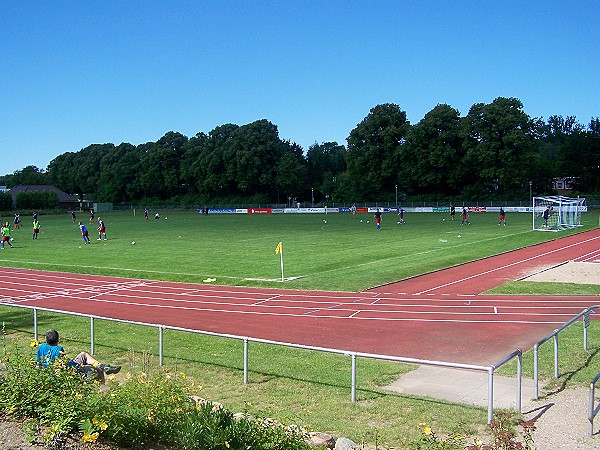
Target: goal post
x,y
556,212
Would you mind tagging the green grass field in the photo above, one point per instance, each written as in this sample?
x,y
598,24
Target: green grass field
x,y
345,253
304,387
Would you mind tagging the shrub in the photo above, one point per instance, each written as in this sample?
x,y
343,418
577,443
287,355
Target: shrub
x,y
141,410
57,397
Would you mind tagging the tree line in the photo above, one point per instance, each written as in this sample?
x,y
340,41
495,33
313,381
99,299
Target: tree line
x,y
495,152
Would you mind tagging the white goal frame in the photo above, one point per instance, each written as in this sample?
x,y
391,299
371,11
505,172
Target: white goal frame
x,y
564,213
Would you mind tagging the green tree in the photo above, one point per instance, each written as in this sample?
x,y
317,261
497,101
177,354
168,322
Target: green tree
x,y
429,160
325,162
119,167
62,173
160,163
28,176
291,173
373,155
500,150
255,151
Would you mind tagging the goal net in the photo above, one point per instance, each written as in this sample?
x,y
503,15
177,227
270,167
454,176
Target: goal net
x,y
555,213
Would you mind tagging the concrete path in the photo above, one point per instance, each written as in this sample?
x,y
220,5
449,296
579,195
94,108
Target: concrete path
x,y
463,386
560,418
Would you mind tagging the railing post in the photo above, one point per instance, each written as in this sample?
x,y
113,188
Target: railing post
x,y
160,345
245,360
586,322
536,369
556,356
91,335
353,377
35,324
490,394
591,407
519,379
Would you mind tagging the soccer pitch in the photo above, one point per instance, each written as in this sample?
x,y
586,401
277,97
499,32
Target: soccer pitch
x,y
329,252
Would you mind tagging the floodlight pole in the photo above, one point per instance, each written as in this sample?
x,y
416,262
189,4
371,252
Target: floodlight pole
x,y
396,196
530,198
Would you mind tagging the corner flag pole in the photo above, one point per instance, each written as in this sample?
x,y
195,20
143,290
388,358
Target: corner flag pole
x,y
279,250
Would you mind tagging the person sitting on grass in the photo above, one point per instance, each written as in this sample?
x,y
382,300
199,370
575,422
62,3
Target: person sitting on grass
x,y
83,363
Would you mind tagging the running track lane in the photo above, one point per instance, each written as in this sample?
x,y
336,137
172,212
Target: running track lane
x,y
433,319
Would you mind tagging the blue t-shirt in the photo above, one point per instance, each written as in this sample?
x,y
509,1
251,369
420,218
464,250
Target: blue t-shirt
x,y
47,354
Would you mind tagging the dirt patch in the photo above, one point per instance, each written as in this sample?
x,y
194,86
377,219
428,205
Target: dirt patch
x,y
12,437
571,272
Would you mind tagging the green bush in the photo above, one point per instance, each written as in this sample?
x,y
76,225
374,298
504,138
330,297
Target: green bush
x,y
57,397
5,201
37,200
132,413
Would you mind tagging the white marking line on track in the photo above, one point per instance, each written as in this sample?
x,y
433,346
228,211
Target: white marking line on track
x,y
352,312
588,257
274,297
99,290
187,308
508,265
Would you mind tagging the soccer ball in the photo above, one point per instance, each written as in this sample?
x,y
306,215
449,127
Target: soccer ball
x,y
360,220
132,242
368,221
444,219
398,223
324,221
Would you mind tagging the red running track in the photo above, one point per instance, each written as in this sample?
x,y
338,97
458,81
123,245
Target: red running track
x,y
440,316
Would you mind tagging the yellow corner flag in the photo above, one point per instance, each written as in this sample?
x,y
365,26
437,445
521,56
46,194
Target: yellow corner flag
x,y
278,249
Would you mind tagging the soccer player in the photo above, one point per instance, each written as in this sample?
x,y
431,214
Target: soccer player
x,y
146,214
73,216
36,229
101,229
91,216
84,234
465,216
378,219
401,215
502,217
452,211
546,214
5,233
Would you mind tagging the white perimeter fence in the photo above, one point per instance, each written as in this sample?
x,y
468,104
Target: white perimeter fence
x,y
352,354
585,314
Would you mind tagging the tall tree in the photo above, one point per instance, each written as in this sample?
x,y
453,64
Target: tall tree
x,y
500,150
160,164
429,160
119,168
374,150
291,172
325,162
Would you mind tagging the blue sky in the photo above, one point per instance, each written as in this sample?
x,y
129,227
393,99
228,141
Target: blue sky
x,y
77,73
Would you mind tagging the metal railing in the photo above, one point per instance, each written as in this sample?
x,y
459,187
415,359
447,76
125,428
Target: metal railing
x,y
354,355
554,335
593,410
